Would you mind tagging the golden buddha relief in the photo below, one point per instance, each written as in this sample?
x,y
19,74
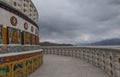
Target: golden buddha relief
x,y
14,36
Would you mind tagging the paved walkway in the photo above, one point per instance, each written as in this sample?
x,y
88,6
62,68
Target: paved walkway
x,y
61,66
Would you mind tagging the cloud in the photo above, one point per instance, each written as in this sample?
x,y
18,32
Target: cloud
x,y
71,21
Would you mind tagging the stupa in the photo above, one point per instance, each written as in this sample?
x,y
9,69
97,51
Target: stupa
x,y
20,54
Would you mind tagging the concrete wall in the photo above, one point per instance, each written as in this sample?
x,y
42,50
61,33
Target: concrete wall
x,y
105,58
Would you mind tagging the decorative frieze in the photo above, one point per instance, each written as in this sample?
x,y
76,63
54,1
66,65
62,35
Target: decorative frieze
x,y
21,64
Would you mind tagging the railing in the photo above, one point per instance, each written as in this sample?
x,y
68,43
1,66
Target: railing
x,y
106,58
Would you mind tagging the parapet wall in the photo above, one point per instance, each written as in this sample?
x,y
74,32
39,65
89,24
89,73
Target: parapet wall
x,y
19,61
106,58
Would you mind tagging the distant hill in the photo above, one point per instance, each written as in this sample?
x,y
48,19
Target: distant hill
x,y
114,41
53,44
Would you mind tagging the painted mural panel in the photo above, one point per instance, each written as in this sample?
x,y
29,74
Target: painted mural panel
x,y
1,34
33,39
26,37
37,40
20,65
5,71
18,70
14,36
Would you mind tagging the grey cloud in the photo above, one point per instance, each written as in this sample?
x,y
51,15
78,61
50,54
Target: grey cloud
x,y
71,21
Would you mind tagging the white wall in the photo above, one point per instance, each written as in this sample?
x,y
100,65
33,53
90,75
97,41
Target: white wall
x,y
20,6
5,21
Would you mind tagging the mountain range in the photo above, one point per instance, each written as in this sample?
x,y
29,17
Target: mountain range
x,y
53,44
115,41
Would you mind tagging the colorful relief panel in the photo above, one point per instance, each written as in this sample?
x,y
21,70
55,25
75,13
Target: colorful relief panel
x,y
29,67
36,62
14,36
37,40
26,38
21,66
1,34
33,39
5,71
18,70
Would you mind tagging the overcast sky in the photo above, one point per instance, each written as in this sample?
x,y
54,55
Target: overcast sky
x,y
83,21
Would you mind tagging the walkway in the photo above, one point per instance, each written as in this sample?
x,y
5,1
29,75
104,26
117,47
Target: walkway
x,y
61,66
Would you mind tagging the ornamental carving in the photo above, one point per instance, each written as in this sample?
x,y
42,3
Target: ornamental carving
x,y
13,21
32,29
25,26
36,31
14,36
